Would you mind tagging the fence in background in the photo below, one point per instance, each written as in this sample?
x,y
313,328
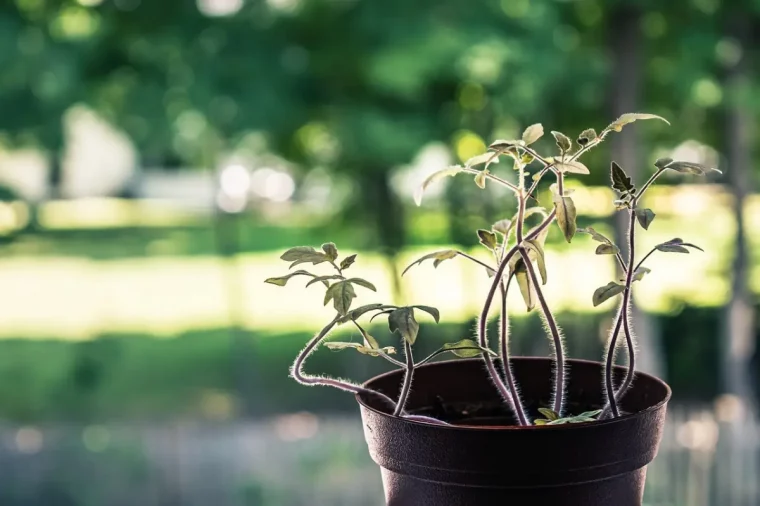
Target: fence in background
x,y
294,460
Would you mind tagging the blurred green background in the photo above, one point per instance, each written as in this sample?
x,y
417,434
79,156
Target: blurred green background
x,y
157,157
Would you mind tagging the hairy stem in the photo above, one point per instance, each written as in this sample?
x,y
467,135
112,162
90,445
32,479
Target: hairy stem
x,y
609,363
465,255
648,184
407,379
297,369
559,351
517,406
491,177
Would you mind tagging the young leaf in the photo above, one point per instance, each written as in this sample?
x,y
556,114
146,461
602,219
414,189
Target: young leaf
x,y
480,178
488,239
605,292
676,246
586,136
630,117
563,141
466,348
330,250
503,227
304,254
591,414
548,414
687,167
282,280
432,178
594,235
437,256
566,215
621,183
323,279
532,133
431,311
365,350
645,217
536,252
402,320
571,167
362,282
661,163
355,314
540,421
639,273
347,262
526,285
607,249
487,158
342,294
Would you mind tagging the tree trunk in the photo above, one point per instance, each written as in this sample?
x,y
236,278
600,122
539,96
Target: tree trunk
x,y
737,333
625,41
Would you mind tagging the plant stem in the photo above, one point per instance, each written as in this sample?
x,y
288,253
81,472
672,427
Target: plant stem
x,y
610,362
492,177
559,351
517,406
407,379
378,351
465,255
297,369
642,260
647,184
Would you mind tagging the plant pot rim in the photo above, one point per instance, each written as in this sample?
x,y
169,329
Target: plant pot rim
x,y
490,428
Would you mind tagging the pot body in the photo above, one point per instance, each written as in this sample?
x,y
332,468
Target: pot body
x,y
592,464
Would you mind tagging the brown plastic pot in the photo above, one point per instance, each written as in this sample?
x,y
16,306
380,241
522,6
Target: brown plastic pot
x,y
591,464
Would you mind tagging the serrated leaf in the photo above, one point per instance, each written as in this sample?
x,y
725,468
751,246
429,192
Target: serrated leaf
x,y
566,215
323,279
436,256
342,294
630,117
536,252
431,311
432,178
487,158
402,320
586,136
330,250
548,414
466,348
527,290
688,167
480,179
532,133
644,217
503,227
283,280
639,273
621,183
594,235
607,249
488,239
365,350
304,254
571,167
607,291
347,262
563,141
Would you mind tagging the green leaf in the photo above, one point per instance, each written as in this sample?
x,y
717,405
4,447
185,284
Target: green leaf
x,y
366,350
548,414
362,282
571,167
437,257
563,141
323,279
686,167
532,133
282,280
535,210
645,217
466,348
540,421
488,158
431,311
480,178
432,178
594,235
488,239
503,227
355,314
402,320
506,146
342,294
607,291
607,249
661,163
527,289
536,252
639,273
566,215
586,136
630,117
621,183
330,250
676,246
347,262
591,414
304,254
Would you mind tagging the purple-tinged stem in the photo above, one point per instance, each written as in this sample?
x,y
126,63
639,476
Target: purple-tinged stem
x,y
408,373
517,406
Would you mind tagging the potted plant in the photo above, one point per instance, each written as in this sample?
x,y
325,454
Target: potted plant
x,y
494,429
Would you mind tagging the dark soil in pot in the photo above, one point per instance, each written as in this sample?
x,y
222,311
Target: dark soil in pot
x,y
483,459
